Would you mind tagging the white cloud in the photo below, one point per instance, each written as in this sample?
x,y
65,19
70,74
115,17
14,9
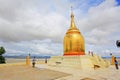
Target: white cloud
x,y
38,26
32,25
101,22
38,47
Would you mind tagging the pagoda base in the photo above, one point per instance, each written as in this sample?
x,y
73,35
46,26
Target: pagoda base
x,y
80,62
73,53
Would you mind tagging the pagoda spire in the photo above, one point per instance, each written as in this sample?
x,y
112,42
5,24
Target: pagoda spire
x,y
72,19
73,40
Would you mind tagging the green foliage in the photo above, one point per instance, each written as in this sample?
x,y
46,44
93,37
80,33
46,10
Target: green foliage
x,y
2,51
2,59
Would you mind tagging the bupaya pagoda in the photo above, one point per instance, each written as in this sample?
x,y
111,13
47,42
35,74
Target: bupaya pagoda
x,y
73,40
74,52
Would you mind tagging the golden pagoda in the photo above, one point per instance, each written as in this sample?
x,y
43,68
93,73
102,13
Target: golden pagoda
x,y
73,40
74,52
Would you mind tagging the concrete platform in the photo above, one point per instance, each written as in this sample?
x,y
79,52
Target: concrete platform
x,y
80,62
77,74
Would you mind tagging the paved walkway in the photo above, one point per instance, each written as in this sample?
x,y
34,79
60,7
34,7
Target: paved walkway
x,y
28,73
44,72
99,74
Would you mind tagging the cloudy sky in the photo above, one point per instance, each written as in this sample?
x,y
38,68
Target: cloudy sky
x,y
38,26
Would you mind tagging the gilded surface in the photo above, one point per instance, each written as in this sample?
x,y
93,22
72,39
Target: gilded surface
x,y
73,40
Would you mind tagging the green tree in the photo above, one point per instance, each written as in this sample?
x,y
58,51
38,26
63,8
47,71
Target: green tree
x,y
2,51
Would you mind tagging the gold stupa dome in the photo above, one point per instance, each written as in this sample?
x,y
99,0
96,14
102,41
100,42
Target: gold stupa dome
x,y
73,40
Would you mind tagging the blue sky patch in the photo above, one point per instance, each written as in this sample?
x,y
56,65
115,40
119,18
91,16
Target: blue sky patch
x,y
118,2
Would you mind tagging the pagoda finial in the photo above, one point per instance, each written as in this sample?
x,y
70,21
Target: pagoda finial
x,y
72,19
72,15
71,9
